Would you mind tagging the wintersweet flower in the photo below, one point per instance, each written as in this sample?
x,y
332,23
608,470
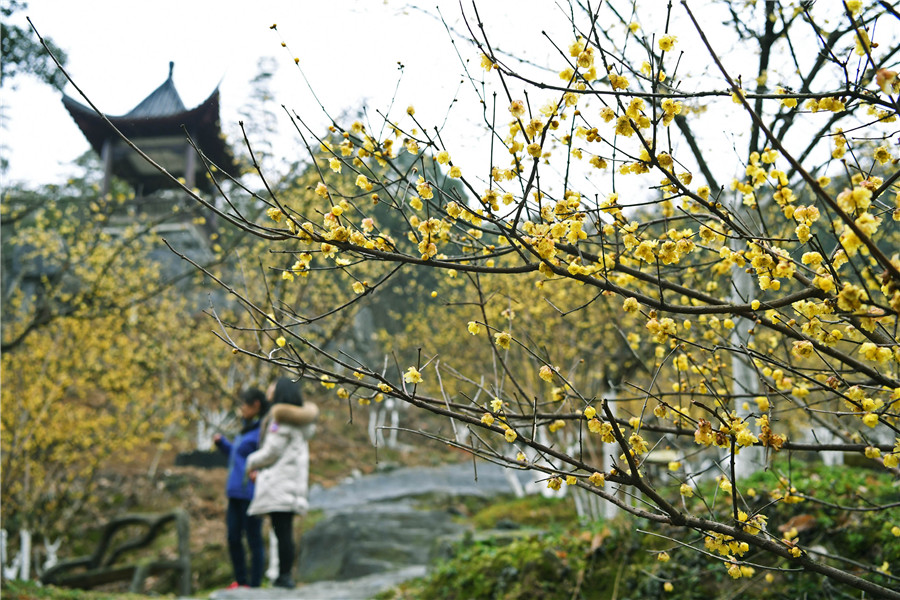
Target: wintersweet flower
x,y
556,425
554,483
667,42
597,479
510,435
487,419
546,373
517,108
590,412
571,480
496,405
335,165
474,328
412,375
424,189
502,340
280,341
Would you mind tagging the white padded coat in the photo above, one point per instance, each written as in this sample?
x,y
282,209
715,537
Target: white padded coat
x,y
282,461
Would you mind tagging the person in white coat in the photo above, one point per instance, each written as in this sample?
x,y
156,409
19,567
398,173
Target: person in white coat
x,y
280,468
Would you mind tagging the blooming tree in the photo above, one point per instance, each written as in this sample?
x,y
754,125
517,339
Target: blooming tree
x,y
682,250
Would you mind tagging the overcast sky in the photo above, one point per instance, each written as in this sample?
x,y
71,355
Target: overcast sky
x,y
349,49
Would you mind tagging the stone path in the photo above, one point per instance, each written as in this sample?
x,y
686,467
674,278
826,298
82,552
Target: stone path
x,y
371,537
361,588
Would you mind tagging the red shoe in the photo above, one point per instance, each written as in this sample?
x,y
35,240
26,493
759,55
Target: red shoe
x,y
235,585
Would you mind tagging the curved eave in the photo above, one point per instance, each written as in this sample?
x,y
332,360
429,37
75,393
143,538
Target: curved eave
x,y
201,122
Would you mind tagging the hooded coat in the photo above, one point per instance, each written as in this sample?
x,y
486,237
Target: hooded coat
x,y
282,461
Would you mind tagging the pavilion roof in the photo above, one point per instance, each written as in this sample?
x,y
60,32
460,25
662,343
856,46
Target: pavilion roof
x,y
162,114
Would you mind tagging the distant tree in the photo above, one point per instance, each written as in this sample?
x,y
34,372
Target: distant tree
x,y
23,54
103,354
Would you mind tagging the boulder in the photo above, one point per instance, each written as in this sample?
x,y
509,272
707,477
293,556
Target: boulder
x,y
376,538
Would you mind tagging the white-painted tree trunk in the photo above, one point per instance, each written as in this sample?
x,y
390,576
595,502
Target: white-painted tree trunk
x,y
378,414
51,549
20,567
745,379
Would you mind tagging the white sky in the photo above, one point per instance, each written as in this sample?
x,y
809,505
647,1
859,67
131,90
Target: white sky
x,y
119,52
349,49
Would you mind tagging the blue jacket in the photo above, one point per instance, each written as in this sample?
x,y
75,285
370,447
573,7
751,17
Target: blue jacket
x,y
247,442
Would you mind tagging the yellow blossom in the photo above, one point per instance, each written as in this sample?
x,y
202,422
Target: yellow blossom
x,y
667,42
280,341
502,340
474,328
517,108
510,435
412,375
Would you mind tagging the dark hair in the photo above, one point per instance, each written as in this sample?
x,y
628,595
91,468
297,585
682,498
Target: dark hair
x,y
253,395
287,391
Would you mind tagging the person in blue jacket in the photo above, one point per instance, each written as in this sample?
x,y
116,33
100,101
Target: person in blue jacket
x,y
239,491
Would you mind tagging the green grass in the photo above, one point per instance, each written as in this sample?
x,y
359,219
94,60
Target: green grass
x,y
30,590
607,560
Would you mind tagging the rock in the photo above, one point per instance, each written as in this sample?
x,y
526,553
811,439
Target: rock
x,y
457,479
379,538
